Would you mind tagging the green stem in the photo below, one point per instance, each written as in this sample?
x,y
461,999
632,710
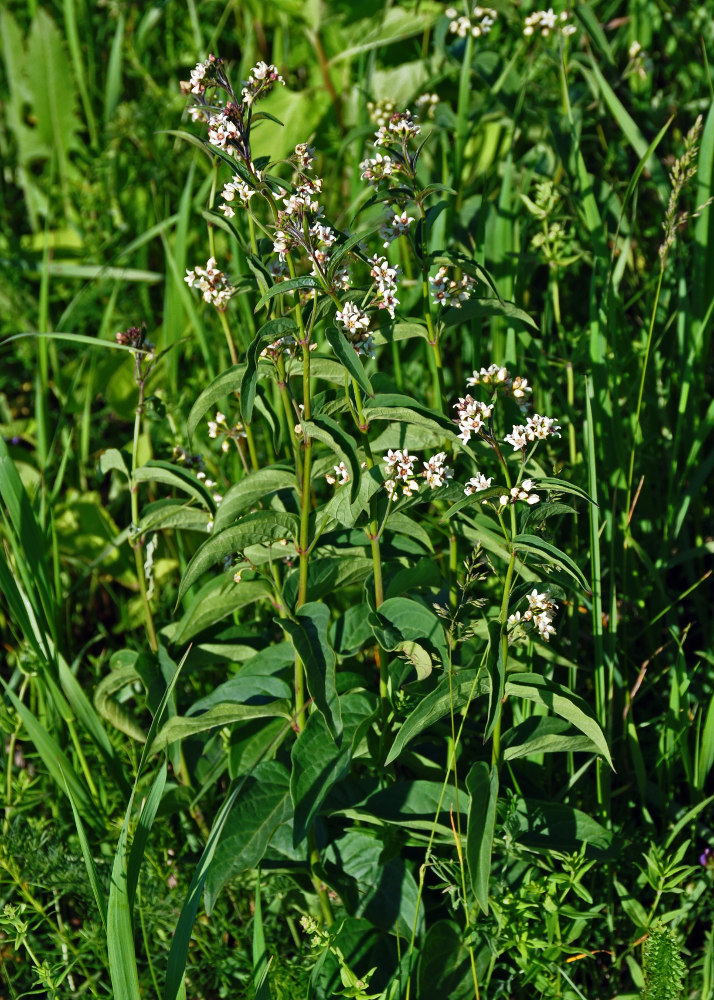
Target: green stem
x,y
135,538
638,411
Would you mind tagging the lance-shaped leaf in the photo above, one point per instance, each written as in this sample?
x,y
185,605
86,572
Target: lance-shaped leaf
x,y
495,668
404,415
227,382
176,477
169,513
264,804
318,763
309,637
250,490
182,726
535,545
349,358
562,486
544,734
479,308
290,285
400,618
482,786
326,430
262,527
563,702
270,331
215,601
451,692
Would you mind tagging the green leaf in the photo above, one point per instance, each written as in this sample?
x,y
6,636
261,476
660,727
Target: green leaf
x,y
223,385
535,545
178,952
346,353
112,458
326,430
496,670
175,476
181,726
440,426
54,97
264,804
89,863
452,692
318,763
308,633
563,702
269,332
252,489
371,885
407,619
444,963
543,734
262,527
215,601
482,308
289,285
166,514
482,786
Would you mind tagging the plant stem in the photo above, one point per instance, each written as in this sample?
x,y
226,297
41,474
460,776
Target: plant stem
x,y
135,537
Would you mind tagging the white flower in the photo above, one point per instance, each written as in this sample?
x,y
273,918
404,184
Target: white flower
x,y
400,466
378,168
517,438
341,476
471,416
395,227
436,471
477,484
352,318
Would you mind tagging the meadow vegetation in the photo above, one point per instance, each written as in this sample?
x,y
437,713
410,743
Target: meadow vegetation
x,y
355,586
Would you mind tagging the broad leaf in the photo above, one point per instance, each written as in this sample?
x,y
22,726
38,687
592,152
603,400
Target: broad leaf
x,y
452,693
264,804
482,786
308,633
563,702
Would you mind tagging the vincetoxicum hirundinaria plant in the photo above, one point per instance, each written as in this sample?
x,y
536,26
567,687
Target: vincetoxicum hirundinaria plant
x,y
340,535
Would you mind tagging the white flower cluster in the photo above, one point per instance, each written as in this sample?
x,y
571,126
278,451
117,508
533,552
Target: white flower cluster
x,y
436,471
472,415
536,428
236,186
377,168
220,426
426,104
522,492
395,227
500,378
302,199
540,613
480,23
477,484
448,292
385,278
223,131
401,128
341,476
399,467
323,237
356,326
546,21
261,81
197,85
212,283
